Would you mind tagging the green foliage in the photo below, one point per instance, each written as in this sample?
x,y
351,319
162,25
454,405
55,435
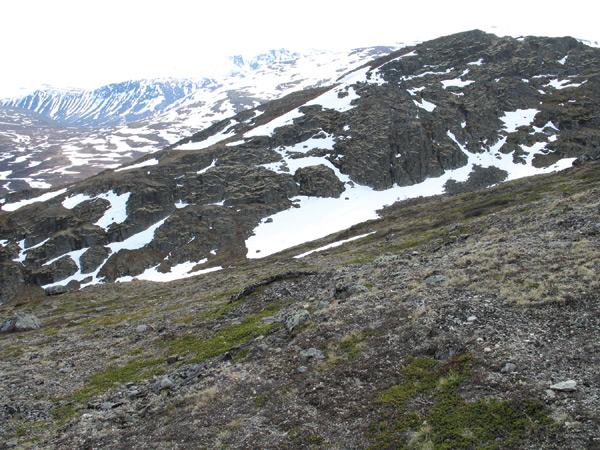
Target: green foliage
x,y
111,376
426,411
223,340
240,355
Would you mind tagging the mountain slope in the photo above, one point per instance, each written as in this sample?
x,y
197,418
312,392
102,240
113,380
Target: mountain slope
x,y
462,112
465,321
78,153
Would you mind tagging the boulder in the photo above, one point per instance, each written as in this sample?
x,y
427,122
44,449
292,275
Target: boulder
x,y
21,322
295,319
318,181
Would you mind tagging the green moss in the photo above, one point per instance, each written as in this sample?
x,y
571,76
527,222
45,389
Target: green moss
x,y
426,411
240,355
101,381
62,414
224,339
30,430
260,401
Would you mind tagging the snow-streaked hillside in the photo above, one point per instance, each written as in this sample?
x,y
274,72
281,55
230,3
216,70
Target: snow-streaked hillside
x,y
74,153
114,104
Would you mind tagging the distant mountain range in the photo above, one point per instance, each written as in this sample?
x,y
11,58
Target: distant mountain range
x,y
115,104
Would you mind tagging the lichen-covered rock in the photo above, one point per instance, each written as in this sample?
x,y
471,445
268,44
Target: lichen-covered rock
x,y
318,181
21,322
295,319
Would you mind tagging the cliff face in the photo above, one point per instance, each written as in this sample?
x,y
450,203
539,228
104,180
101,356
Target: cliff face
x,y
461,112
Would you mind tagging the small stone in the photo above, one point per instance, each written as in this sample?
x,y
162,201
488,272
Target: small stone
x,y
550,393
141,329
487,350
65,370
302,369
11,444
322,305
307,355
560,244
106,405
166,383
565,386
471,318
508,368
296,318
435,279
172,359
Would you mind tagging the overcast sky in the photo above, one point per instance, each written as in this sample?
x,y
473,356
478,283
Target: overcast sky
x,y
91,43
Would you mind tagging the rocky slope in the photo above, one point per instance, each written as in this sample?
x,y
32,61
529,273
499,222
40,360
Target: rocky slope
x,y
461,112
462,322
119,123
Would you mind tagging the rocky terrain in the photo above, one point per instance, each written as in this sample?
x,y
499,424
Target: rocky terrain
x,y
451,115
455,322
53,137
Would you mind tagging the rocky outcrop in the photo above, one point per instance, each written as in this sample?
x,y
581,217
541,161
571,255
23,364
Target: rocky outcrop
x,y
21,322
479,178
318,181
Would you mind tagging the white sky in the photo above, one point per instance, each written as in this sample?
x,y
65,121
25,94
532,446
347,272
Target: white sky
x,y
87,44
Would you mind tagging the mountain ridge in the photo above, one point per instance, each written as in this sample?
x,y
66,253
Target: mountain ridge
x,y
432,118
78,153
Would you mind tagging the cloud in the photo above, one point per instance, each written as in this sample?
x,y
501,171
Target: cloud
x,y
87,44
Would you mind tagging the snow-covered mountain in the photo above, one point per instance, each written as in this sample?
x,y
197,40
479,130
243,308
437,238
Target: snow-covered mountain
x,y
114,104
52,157
456,114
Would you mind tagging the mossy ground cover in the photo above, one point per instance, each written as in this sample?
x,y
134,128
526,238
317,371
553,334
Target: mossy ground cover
x,y
223,340
426,411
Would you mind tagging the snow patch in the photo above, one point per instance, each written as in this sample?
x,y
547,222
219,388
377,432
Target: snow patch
x,y
150,162
177,272
74,200
117,212
456,82
333,245
200,172
479,62
563,84
42,198
212,140
515,119
427,106
268,128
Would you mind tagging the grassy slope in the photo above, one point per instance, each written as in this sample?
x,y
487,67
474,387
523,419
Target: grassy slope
x,y
521,257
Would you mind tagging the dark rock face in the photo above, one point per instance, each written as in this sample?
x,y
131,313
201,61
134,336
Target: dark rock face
x,y
318,181
129,263
56,271
479,178
93,257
